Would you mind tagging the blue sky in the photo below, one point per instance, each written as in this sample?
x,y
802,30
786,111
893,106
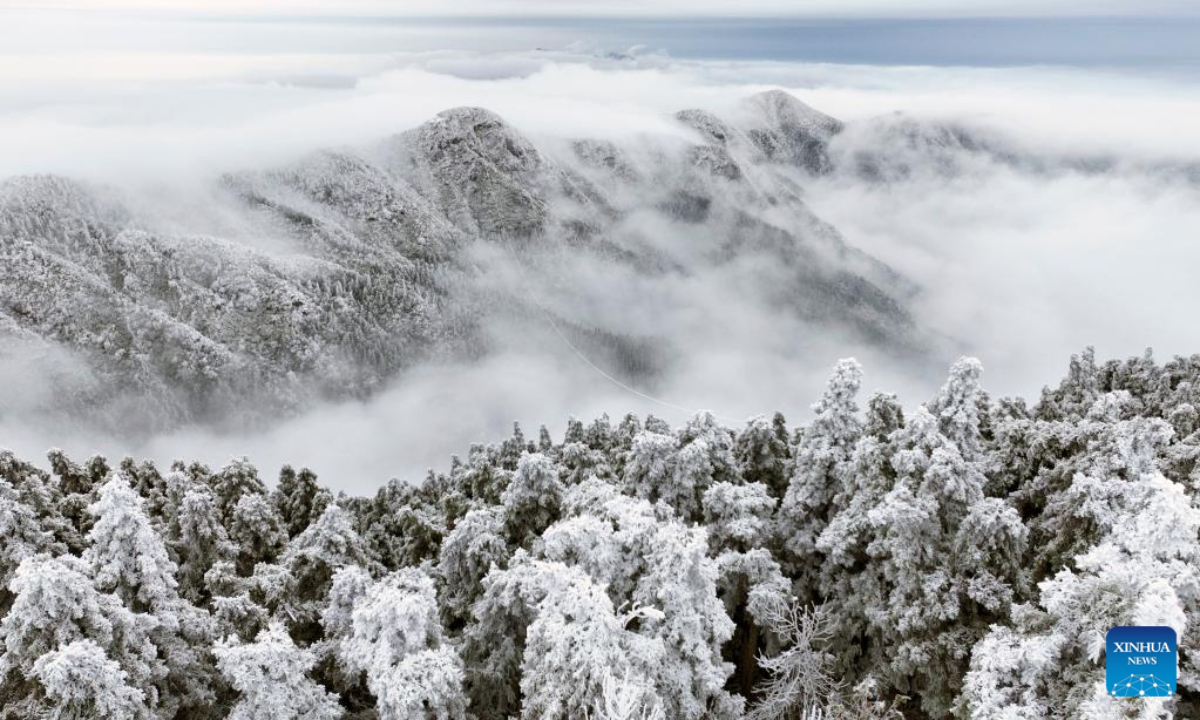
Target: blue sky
x,y
1017,33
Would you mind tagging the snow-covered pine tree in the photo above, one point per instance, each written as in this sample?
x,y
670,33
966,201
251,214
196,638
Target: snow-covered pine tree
x,y
851,580
468,554
928,529
56,605
819,463
764,453
198,540
81,681
308,566
650,470
396,639
125,554
23,537
271,675
299,499
532,500
1140,571
256,530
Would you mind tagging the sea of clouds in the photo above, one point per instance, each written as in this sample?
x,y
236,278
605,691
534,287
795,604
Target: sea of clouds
x,y
1088,239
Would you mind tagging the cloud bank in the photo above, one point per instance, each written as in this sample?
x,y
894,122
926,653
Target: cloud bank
x,y
1077,229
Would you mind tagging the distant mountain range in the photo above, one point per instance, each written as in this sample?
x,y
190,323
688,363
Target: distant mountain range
x,y
336,273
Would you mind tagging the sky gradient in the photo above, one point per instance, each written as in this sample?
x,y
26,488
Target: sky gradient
x,y
664,8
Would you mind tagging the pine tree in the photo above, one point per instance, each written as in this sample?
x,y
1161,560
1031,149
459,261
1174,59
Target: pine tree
x,y
819,460
300,499
468,554
257,532
961,407
271,674
77,488
928,528
681,581
310,562
738,517
532,500
1045,663
126,556
199,541
236,480
646,558
851,578
396,639
764,454
35,489
1076,393
55,605
578,643
23,538
650,469
349,585
81,681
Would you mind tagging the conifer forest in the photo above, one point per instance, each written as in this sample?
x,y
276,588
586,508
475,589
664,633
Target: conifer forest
x,y
599,360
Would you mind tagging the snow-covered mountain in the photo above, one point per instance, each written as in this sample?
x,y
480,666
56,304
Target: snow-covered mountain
x,y
331,275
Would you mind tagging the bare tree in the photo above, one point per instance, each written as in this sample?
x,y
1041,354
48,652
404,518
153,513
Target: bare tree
x,y
800,684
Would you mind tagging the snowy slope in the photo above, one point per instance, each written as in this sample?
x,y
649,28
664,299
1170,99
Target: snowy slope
x,y
373,275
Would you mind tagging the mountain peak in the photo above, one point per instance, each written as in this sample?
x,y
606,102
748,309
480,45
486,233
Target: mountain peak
x,y
788,130
483,133
480,170
783,109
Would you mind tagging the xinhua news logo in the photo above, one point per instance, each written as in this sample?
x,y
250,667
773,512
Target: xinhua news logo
x,y
1141,661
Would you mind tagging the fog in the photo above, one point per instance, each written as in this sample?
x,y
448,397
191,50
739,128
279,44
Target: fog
x,y
1020,263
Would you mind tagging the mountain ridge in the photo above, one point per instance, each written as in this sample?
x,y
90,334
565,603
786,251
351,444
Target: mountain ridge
x,y
380,278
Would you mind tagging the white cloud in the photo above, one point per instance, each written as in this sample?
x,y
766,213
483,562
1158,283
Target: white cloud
x,y
1022,267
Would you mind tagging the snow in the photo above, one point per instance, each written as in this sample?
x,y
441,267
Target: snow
x,y
969,556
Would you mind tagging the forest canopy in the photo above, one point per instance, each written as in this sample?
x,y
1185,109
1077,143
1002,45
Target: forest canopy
x,y
963,557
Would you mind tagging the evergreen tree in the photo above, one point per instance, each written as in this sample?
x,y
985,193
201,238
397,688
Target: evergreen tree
x,y
929,527
36,490
81,681
199,541
763,453
738,517
532,500
257,532
126,556
961,407
236,480
819,460
310,562
23,538
468,554
576,644
1046,663
56,605
851,579
650,470
299,499
396,639
271,674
